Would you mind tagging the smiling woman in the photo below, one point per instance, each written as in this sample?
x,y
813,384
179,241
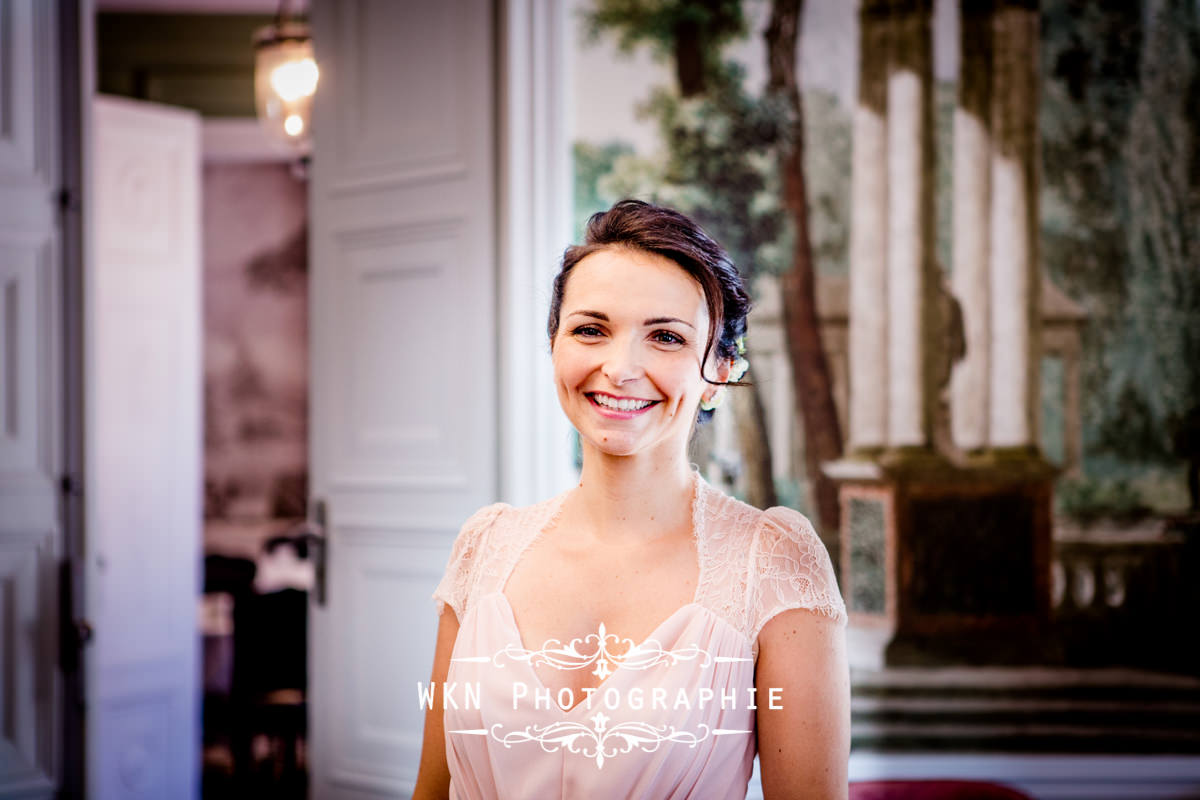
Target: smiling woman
x,y
642,233
643,580
628,376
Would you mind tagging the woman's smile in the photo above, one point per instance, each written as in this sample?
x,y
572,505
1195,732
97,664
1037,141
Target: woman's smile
x,y
619,407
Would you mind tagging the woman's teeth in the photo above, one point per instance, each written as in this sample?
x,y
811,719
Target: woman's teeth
x,y
621,405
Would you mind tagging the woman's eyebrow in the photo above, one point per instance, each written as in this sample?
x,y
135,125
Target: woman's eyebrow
x,y
600,315
661,320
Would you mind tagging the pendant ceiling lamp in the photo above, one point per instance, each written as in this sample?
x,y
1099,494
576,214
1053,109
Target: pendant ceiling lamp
x,y
285,79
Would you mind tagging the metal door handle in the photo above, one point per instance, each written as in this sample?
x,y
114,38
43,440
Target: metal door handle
x,y
316,537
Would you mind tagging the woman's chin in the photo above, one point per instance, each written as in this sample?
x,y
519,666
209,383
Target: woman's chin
x,y
622,444
615,446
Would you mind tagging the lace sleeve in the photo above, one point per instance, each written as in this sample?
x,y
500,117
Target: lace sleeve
x,y
791,570
460,569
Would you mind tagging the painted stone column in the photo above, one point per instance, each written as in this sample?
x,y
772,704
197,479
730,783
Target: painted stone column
x,y
1015,281
970,382
910,226
868,317
947,562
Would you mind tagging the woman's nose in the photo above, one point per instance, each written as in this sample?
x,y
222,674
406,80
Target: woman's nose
x,y
623,363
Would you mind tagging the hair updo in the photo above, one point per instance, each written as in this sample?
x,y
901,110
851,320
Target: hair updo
x,y
665,232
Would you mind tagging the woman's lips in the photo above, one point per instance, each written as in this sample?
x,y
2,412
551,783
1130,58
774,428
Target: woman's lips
x,y
617,413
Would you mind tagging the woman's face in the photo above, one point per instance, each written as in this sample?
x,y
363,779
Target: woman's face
x,y
632,330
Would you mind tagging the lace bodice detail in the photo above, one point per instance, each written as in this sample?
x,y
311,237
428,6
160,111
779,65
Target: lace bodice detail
x,y
753,564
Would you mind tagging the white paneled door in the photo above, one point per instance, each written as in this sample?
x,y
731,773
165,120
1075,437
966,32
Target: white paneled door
x,y
404,331
143,458
31,533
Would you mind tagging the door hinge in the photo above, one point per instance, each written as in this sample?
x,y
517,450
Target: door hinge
x,y
67,201
70,486
74,633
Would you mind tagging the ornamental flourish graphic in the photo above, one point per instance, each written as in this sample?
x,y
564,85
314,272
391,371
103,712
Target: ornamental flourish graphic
x,y
602,652
568,657
600,742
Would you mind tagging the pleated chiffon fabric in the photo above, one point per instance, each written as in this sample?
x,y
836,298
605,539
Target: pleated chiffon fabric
x,y
674,714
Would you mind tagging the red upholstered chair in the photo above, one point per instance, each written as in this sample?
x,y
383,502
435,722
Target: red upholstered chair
x,y
933,790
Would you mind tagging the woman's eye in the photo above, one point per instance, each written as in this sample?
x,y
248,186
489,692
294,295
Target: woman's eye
x,y
586,330
666,337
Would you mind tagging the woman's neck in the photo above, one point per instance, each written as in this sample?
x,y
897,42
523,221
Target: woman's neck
x,y
632,498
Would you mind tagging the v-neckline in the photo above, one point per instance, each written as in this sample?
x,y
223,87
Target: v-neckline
x,y
553,513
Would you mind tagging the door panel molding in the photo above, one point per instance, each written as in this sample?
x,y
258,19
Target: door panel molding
x,y
396,60
31,403
440,202
142,437
28,91
403,396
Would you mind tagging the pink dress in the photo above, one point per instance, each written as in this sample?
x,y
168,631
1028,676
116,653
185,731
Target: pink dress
x,y
674,716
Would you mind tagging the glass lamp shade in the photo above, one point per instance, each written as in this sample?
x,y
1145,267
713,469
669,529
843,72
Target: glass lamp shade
x,y
285,79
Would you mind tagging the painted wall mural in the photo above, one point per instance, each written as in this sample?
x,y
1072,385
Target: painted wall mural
x,y
1086,113
256,353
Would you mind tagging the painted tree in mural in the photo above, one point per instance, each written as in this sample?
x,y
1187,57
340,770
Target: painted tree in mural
x,y
811,380
1091,53
592,162
1160,379
712,131
723,166
1121,196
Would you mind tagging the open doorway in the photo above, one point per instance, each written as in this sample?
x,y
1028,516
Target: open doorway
x,y
256,572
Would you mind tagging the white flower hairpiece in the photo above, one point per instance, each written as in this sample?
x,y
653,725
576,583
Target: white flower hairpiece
x,y
740,365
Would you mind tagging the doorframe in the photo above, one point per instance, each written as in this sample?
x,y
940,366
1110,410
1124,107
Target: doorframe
x,y
534,209
76,86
